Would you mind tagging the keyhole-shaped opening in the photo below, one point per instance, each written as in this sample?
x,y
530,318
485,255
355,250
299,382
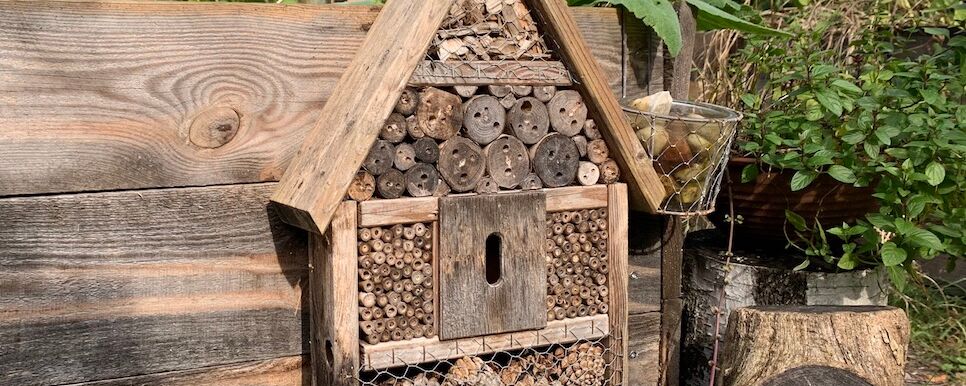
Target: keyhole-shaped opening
x,y
494,258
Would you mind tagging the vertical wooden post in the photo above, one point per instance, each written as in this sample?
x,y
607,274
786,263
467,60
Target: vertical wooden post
x,y
617,277
333,282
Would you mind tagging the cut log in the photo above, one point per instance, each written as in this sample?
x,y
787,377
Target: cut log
x,y
461,164
440,114
581,142
391,184
508,101
568,113
395,128
412,127
529,120
427,150
380,157
362,187
531,182
507,161
521,91
544,93
422,180
408,101
466,91
484,119
609,171
590,130
487,186
405,157
597,151
588,173
498,91
847,345
555,160
442,188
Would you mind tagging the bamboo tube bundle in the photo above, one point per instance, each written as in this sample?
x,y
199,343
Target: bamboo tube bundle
x,y
576,268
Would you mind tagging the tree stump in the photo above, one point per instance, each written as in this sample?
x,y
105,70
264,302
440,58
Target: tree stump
x,y
544,93
395,128
822,345
405,157
391,184
363,186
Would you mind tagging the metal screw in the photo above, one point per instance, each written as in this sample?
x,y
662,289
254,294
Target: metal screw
x,y
635,276
633,354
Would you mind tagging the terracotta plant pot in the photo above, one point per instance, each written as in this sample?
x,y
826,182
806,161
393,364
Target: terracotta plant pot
x,y
762,203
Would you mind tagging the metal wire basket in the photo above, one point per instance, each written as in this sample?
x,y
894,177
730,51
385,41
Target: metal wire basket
x,y
689,148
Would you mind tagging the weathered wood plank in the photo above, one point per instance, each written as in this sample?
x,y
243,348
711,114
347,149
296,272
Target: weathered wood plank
x,y
643,348
102,96
285,371
483,73
617,277
109,285
645,241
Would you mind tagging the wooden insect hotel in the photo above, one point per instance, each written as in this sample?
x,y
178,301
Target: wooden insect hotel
x,y
464,194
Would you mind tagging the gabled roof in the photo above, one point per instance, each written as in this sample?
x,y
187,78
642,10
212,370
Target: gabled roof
x,y
317,179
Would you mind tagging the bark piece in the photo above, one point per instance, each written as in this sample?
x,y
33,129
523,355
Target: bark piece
x,y
395,128
461,164
484,119
588,173
544,93
555,159
380,157
568,113
597,151
422,180
609,172
408,100
362,187
440,113
391,184
405,157
529,120
427,150
507,161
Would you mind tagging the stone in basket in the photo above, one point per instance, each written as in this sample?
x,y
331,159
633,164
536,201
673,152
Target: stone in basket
x,y
689,143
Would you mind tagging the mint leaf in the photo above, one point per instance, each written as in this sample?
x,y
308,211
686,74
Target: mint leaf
x,y
795,219
892,255
749,173
802,179
935,173
922,238
842,174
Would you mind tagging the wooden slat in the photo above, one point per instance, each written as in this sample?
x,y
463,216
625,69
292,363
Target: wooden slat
x,y
645,187
574,198
100,95
393,354
333,280
645,242
617,277
482,73
348,124
285,371
111,285
643,348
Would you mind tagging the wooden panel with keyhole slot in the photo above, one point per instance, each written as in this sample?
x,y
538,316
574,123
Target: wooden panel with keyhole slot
x,y
492,270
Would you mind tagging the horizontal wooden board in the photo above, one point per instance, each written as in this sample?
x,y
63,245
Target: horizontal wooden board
x,y
482,73
109,285
106,95
392,354
285,371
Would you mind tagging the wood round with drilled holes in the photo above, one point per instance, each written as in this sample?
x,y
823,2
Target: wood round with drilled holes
x,y
568,113
487,186
380,157
422,180
529,120
507,161
412,127
597,151
484,119
427,150
405,156
461,164
440,114
544,93
391,184
588,173
498,91
609,172
408,101
465,91
555,159
394,129
362,187
531,182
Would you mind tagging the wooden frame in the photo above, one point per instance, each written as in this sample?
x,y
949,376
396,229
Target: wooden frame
x,y
617,251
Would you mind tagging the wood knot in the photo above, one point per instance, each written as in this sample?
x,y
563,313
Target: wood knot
x,y
214,127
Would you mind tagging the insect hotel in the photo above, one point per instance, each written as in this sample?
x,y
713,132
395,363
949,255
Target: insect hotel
x,y
469,223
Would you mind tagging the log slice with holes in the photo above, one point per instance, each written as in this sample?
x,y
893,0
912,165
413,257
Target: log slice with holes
x,y
362,187
440,114
529,120
461,164
395,128
380,157
544,93
568,113
391,184
408,101
507,161
427,150
422,180
555,160
484,119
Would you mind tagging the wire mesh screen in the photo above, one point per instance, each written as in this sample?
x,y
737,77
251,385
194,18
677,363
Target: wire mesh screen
x,y
689,147
585,362
576,253
489,30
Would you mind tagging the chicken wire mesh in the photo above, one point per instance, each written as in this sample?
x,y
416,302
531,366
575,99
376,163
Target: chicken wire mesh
x,y
586,362
689,148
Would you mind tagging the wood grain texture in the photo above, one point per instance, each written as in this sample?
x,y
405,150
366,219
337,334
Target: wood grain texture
x,y
484,73
362,99
643,348
285,371
101,96
684,62
111,285
471,301
617,277
333,283
645,242
645,187
672,256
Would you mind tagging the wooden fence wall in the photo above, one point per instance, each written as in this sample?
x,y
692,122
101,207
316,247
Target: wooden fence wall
x,y
130,255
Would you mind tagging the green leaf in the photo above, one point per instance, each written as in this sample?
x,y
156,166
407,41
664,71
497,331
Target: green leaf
x,y
829,102
892,255
750,100
899,277
845,85
923,238
802,266
880,221
749,173
802,179
710,17
659,15
936,31
853,138
847,262
935,173
842,174
796,220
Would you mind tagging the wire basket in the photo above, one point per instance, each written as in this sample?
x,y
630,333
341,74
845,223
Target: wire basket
x,y
689,148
